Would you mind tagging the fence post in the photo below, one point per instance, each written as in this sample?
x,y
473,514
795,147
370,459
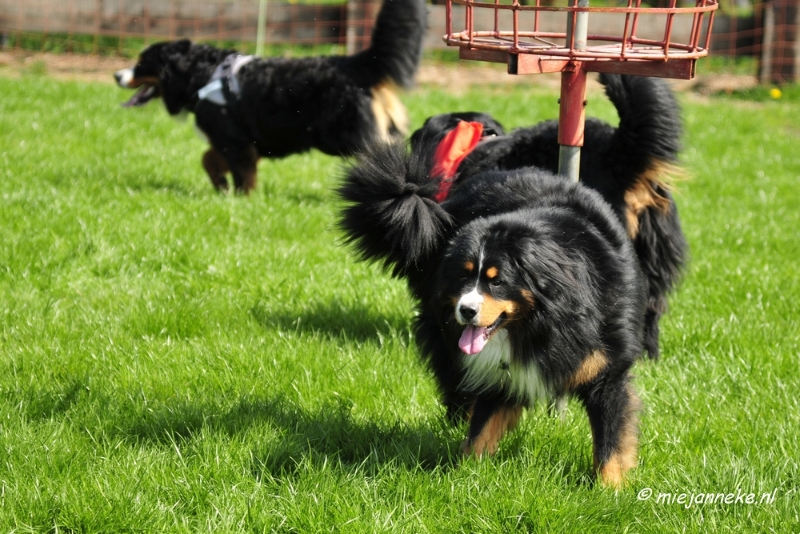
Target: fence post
x,y
780,48
98,12
358,25
262,27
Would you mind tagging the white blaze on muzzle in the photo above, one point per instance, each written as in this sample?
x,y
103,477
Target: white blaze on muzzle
x,y
472,301
124,77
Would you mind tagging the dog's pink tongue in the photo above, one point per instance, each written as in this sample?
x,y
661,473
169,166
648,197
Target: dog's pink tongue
x,y
473,339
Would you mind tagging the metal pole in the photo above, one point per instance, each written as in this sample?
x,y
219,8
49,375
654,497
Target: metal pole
x,y
262,26
572,113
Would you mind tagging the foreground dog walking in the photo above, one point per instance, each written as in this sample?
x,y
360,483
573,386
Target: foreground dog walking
x,y
250,108
630,166
527,287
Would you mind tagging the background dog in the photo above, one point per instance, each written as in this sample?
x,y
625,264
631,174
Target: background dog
x,y
276,107
527,288
631,166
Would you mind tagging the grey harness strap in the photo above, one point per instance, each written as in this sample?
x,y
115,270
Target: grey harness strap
x,y
224,85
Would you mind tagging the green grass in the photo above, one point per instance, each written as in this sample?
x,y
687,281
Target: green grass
x,y
172,360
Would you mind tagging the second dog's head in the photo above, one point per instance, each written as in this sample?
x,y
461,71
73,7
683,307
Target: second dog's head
x,y
172,70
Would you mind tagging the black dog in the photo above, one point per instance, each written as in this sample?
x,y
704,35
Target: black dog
x,y
527,287
251,108
630,166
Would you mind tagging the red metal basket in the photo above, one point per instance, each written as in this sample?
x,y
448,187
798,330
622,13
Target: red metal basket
x,y
534,45
523,36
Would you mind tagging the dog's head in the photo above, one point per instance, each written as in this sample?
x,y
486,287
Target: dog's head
x,y
512,272
425,140
434,128
162,71
483,284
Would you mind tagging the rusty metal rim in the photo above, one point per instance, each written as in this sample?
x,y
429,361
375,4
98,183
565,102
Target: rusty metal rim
x,y
709,5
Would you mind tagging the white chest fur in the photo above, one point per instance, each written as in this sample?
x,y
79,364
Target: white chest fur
x,y
493,368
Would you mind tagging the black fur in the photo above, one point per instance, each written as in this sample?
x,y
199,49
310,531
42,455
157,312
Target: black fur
x,y
613,161
564,267
288,106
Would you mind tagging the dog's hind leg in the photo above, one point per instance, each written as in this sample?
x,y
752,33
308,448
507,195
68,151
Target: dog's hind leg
x,y
216,167
613,416
491,419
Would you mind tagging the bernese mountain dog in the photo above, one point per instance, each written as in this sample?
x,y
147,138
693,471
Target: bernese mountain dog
x,y
527,287
632,166
250,108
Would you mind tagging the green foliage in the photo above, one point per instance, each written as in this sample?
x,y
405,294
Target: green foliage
x,y
172,360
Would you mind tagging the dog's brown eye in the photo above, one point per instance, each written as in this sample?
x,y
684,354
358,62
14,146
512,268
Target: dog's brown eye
x,y
496,283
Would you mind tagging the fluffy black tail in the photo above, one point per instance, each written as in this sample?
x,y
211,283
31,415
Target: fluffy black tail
x,y
396,46
390,215
648,141
649,120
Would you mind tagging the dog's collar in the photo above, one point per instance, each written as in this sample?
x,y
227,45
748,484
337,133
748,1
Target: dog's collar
x,y
224,85
451,151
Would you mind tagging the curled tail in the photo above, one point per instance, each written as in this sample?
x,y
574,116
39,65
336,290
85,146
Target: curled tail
x,y
647,143
396,47
391,215
649,119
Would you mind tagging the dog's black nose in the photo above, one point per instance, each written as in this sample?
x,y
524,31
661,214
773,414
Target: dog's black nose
x,y
467,312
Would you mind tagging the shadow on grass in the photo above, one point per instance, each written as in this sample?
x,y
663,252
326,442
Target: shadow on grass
x,y
55,400
150,185
300,438
346,321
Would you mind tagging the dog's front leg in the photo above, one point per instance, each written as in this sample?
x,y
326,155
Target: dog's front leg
x,y
243,164
613,417
491,418
216,167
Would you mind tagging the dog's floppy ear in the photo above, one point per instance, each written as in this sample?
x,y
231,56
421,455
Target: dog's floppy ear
x,y
174,76
548,267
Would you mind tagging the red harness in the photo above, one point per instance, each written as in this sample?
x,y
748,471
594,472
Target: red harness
x,y
453,148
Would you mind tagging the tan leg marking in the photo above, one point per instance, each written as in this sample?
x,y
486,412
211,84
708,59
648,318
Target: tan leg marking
x,y
216,167
504,420
625,457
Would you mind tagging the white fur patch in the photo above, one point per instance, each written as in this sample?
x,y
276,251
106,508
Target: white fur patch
x,y
124,77
493,367
473,300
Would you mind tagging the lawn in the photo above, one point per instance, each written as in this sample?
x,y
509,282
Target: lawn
x,y
172,360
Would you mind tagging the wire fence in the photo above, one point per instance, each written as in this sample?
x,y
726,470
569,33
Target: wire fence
x,y
122,27
769,34
764,35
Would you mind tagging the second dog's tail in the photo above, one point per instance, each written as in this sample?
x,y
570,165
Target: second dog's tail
x,y
649,129
644,154
396,47
391,215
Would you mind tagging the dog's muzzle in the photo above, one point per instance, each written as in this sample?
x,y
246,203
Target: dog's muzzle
x,y
124,78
